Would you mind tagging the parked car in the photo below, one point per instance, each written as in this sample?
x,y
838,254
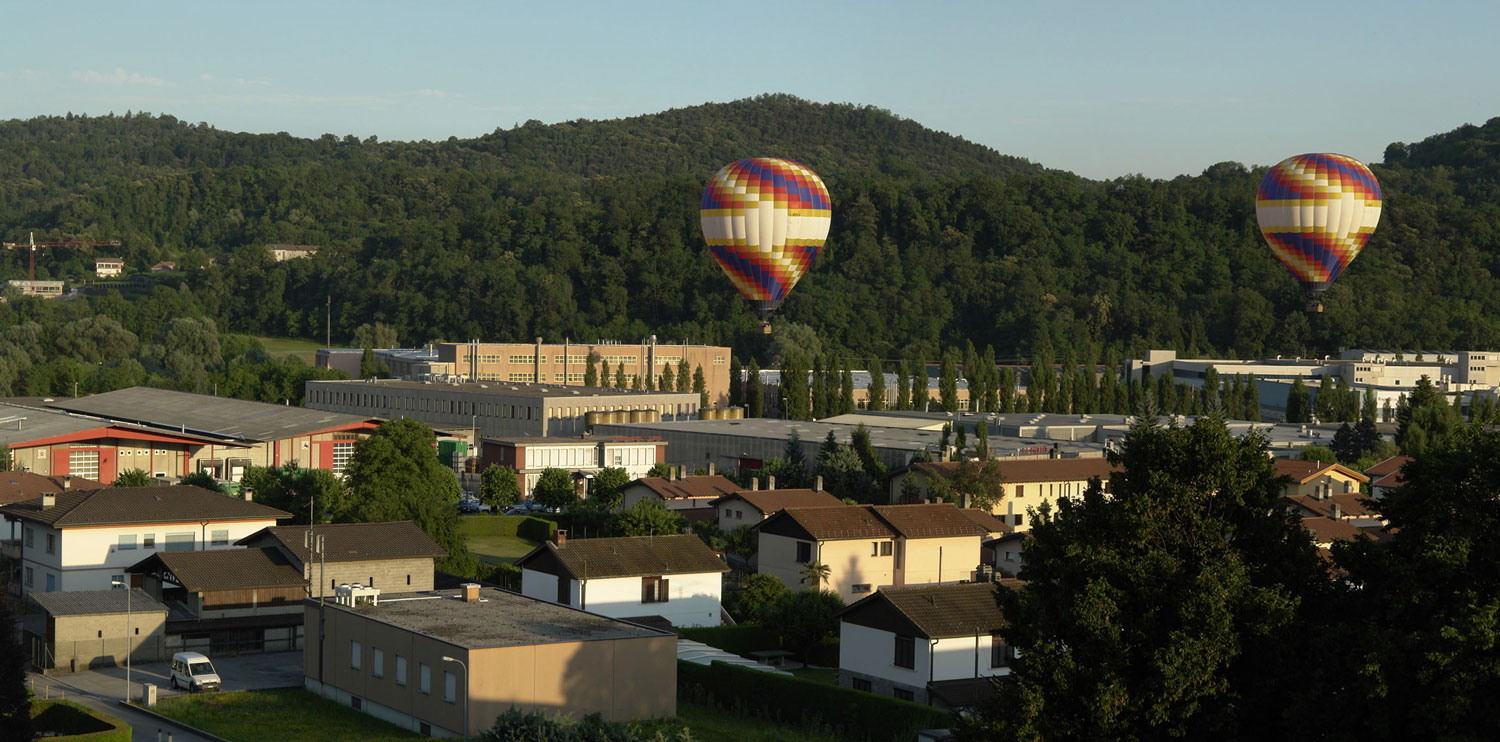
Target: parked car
x,y
518,509
472,506
193,671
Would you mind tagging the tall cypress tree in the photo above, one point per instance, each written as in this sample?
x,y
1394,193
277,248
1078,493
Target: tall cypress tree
x,y
684,376
591,372
1036,381
846,390
920,397
620,376
668,378
1007,389
754,391
819,390
736,384
903,387
875,400
991,380
1297,403
700,385
948,382
796,401
1323,404
1367,410
1252,400
973,375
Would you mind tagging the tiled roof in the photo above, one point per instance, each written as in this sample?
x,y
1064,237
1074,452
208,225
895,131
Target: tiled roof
x,y
120,505
929,521
95,602
1328,530
354,542
838,522
631,556
942,611
1305,471
769,501
225,569
710,485
1033,470
20,486
1389,466
987,521
1351,504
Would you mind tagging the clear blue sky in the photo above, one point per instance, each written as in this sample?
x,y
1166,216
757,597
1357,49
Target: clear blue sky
x,y
1100,88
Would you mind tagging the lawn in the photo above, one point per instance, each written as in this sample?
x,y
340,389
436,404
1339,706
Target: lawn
x,y
281,347
492,538
709,724
295,714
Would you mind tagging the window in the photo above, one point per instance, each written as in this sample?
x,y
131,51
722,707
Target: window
x,y
180,542
804,552
51,582
424,678
400,670
126,543
148,541
354,654
117,578
1010,556
1000,654
885,548
862,684
51,543
874,548
377,663
30,576
654,590
30,537
906,652
903,694
862,587
356,702
450,687
220,537
1020,490
83,464
342,452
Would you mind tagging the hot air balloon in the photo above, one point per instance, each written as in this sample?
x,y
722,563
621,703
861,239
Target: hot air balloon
x,y
1317,211
765,220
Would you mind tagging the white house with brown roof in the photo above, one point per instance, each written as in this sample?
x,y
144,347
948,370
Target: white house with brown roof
x,y
395,556
84,540
934,644
1027,483
749,507
677,492
869,547
676,577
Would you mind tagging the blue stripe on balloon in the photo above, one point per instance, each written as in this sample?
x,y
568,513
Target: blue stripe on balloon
x,y
758,275
1315,251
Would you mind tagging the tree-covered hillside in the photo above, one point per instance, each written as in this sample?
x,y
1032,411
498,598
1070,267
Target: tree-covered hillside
x,y
590,229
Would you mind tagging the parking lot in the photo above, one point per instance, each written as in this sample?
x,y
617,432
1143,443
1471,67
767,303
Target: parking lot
x,y
247,672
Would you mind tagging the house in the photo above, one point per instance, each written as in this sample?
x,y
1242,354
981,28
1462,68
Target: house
x,y
676,577
1317,478
226,600
164,267
748,507
396,556
677,491
19,486
220,436
1005,554
86,539
583,457
1325,531
108,267
933,644
867,547
446,663
1386,475
1348,507
43,289
281,252
1026,483
95,628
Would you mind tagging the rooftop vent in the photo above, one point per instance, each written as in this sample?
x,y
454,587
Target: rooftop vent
x,y
356,594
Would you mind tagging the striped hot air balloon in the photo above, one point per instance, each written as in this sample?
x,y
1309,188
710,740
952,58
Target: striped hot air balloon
x,y
765,220
1317,211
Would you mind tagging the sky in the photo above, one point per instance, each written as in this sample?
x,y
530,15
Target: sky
x,y
1103,89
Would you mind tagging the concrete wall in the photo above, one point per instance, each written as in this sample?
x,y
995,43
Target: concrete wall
x,y
100,640
389,575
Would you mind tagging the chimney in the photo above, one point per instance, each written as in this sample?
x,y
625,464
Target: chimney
x,y
561,539
710,468
67,482
771,482
48,500
471,592
249,495
1335,512
818,483
682,472
671,474
754,484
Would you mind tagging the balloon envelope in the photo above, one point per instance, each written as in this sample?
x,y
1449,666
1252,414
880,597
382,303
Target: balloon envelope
x,y
765,220
1317,211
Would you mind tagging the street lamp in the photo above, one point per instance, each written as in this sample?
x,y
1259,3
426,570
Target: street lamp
x,y
460,662
119,583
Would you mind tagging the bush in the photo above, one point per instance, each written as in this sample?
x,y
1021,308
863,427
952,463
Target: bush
x,y
59,719
507,576
741,640
846,713
803,620
534,726
525,526
759,591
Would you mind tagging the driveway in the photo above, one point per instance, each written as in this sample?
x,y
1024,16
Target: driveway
x,y
246,672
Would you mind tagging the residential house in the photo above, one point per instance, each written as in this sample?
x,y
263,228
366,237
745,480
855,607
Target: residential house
x,y
748,507
445,664
43,289
1026,483
95,628
226,600
282,252
395,557
678,491
1316,478
164,266
1386,475
867,547
933,644
676,577
581,457
86,539
108,267
1349,507
1005,554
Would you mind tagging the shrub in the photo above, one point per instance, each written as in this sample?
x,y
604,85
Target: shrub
x,y
507,576
803,620
846,713
534,726
741,640
760,591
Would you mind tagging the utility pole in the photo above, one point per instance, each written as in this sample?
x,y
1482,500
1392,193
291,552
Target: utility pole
x,y
328,336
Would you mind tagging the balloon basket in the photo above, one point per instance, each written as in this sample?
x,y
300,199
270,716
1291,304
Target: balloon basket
x,y
1315,307
765,328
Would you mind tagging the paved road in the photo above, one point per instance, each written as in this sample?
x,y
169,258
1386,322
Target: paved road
x,y
102,689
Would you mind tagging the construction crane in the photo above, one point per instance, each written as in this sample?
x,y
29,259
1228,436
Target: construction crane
x,y
33,244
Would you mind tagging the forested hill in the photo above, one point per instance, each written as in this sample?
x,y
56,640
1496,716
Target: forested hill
x,y
590,229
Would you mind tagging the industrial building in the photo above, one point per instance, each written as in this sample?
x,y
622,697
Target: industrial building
x,y
498,410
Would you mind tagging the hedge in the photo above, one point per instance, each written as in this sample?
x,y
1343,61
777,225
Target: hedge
x,y
525,526
741,639
846,713
72,721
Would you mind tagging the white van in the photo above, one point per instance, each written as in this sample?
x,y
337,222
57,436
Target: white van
x,y
194,672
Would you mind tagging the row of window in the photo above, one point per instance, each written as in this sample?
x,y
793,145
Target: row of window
x,y
424,671
185,541
31,579
30,538
906,653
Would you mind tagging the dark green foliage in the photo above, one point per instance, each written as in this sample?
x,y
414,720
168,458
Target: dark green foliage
x,y
793,471
15,699
515,725
659,470
845,713
555,489
948,382
1425,421
736,383
607,486
648,518
591,371
796,400
903,388
197,479
668,378
394,475
498,487
740,639
803,619
875,392
700,386
819,391
846,390
759,591
1321,454
132,478
298,490
1298,403
754,392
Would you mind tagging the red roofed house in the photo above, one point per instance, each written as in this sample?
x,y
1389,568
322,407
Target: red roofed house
x,y
678,492
749,507
1386,475
1027,482
867,547
1317,478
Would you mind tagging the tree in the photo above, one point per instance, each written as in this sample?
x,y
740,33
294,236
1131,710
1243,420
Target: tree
x,y
668,378
5,460
133,478
875,392
374,336
754,406
819,391
920,396
1007,389
859,440
844,474
903,387
394,475
1320,454
1427,421
948,383
591,371
1324,404
982,432
555,489
1298,407
649,518
795,399
976,483
15,699
368,366
659,470
700,385
620,382
815,574
846,390
609,484
736,384
1252,400
196,479
498,487
760,590
794,462
1170,608
298,490
991,375
804,619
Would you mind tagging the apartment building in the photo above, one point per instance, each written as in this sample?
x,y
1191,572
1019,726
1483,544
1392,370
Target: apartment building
x,y
109,267
43,289
583,457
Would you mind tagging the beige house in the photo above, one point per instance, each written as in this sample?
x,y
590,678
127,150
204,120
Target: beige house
x,y
749,507
867,547
446,663
396,556
1317,479
1027,483
676,577
92,628
108,267
282,252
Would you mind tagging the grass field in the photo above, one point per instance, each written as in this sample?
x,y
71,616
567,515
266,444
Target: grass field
x,y
827,675
294,714
490,546
281,347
